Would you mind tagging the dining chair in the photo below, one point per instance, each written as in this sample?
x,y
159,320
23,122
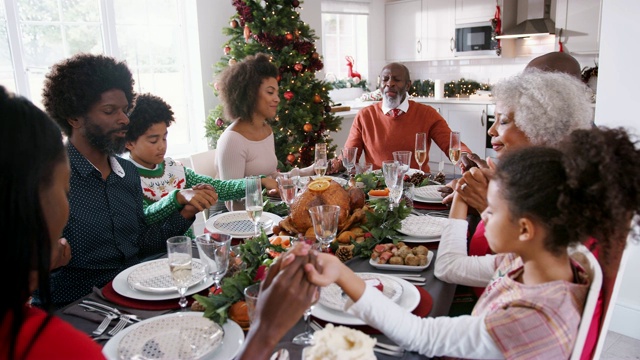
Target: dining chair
x,y
204,163
593,270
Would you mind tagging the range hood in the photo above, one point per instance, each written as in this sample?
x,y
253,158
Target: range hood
x,y
537,22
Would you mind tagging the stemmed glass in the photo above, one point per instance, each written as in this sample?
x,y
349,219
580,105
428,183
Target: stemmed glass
x,y
180,263
421,149
320,161
306,337
325,223
404,158
349,158
454,149
253,200
214,249
394,179
287,184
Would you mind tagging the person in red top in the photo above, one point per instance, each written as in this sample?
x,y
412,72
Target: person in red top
x,y
391,125
33,195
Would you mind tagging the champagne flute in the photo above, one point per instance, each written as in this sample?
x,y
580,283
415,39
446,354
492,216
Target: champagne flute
x,y
404,158
454,149
421,149
349,158
214,249
288,187
394,179
180,263
325,223
320,160
253,200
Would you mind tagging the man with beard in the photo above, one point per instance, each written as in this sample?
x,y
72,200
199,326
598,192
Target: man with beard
x,y
391,125
89,96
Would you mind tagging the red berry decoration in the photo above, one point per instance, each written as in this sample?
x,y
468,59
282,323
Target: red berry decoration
x,y
288,95
291,158
308,127
288,36
298,67
227,50
317,99
234,23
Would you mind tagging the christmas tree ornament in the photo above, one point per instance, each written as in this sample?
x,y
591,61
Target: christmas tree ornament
x,y
227,50
307,127
315,55
317,99
291,158
298,67
288,95
278,78
247,33
288,36
295,3
216,86
327,108
233,24
219,122
232,61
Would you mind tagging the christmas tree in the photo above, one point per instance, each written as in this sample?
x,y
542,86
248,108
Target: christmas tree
x,y
304,115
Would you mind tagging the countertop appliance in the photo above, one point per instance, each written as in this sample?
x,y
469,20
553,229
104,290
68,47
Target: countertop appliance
x,y
475,39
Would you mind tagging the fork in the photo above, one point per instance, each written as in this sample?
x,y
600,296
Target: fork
x,y
104,324
124,320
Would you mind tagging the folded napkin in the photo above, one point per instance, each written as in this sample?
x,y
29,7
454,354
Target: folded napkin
x,y
423,309
96,295
110,294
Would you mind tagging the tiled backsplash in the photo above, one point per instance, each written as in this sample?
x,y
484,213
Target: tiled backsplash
x,y
493,69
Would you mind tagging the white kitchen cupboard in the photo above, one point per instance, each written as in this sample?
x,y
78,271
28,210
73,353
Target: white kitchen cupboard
x,y
471,11
403,25
580,24
438,29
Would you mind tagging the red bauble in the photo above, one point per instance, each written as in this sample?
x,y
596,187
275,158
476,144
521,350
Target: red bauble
x,y
278,78
233,23
227,50
291,158
327,108
288,95
307,127
298,67
295,3
315,55
288,36
317,99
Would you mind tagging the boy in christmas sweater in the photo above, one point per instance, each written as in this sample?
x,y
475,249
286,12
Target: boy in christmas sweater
x,y
164,180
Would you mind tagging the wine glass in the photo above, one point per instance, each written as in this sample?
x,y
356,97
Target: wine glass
x,y
320,161
325,223
180,263
306,337
214,249
393,178
349,158
454,149
288,187
404,158
253,200
421,149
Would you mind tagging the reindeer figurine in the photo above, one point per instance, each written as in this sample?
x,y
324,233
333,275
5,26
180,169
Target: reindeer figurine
x,y
352,74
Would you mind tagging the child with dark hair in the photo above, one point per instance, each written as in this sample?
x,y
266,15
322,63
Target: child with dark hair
x,y
162,178
542,204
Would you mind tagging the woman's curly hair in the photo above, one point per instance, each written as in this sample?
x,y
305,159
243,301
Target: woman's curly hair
x,y
149,110
588,187
239,84
546,105
75,84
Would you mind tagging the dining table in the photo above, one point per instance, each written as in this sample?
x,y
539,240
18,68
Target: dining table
x,y
440,295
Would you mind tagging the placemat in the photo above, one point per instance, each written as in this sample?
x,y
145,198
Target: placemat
x,y
423,309
110,294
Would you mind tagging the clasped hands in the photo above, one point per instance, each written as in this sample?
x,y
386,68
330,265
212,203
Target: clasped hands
x,y
472,186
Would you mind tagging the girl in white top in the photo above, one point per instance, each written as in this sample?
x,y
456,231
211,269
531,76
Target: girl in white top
x,y
540,202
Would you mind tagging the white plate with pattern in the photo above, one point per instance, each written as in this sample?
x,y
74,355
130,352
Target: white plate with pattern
x,y
155,277
428,194
409,299
238,224
153,334
334,298
423,226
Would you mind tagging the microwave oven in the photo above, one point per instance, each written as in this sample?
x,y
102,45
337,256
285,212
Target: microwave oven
x,y
475,39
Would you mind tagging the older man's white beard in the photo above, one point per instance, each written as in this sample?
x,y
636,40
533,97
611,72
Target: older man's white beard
x,y
392,103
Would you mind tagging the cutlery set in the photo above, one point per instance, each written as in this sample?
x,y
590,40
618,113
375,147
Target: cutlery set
x,y
110,314
382,348
412,278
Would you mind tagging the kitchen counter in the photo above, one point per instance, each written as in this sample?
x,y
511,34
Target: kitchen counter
x,y
356,105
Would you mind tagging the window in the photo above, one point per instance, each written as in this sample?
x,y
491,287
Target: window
x,y
344,33
148,34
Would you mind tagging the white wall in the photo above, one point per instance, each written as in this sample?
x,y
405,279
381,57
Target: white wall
x,y
617,96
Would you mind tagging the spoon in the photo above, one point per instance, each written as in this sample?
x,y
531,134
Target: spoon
x,y
281,354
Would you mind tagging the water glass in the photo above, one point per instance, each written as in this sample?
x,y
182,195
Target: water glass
x,y
325,223
393,178
364,168
251,293
214,249
404,158
180,264
287,185
349,158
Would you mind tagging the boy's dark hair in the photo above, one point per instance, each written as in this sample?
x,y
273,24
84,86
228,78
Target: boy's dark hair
x,y
149,110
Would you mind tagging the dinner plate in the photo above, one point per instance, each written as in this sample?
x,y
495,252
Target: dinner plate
x,y
334,298
423,226
231,343
155,277
238,224
375,264
428,194
409,300
121,286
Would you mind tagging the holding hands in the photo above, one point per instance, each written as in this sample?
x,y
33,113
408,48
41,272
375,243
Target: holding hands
x,y
196,199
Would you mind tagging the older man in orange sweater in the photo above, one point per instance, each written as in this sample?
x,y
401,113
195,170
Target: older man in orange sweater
x,y
391,125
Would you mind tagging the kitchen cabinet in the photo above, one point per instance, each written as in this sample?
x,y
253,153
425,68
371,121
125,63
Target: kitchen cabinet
x,y
471,11
580,24
438,29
